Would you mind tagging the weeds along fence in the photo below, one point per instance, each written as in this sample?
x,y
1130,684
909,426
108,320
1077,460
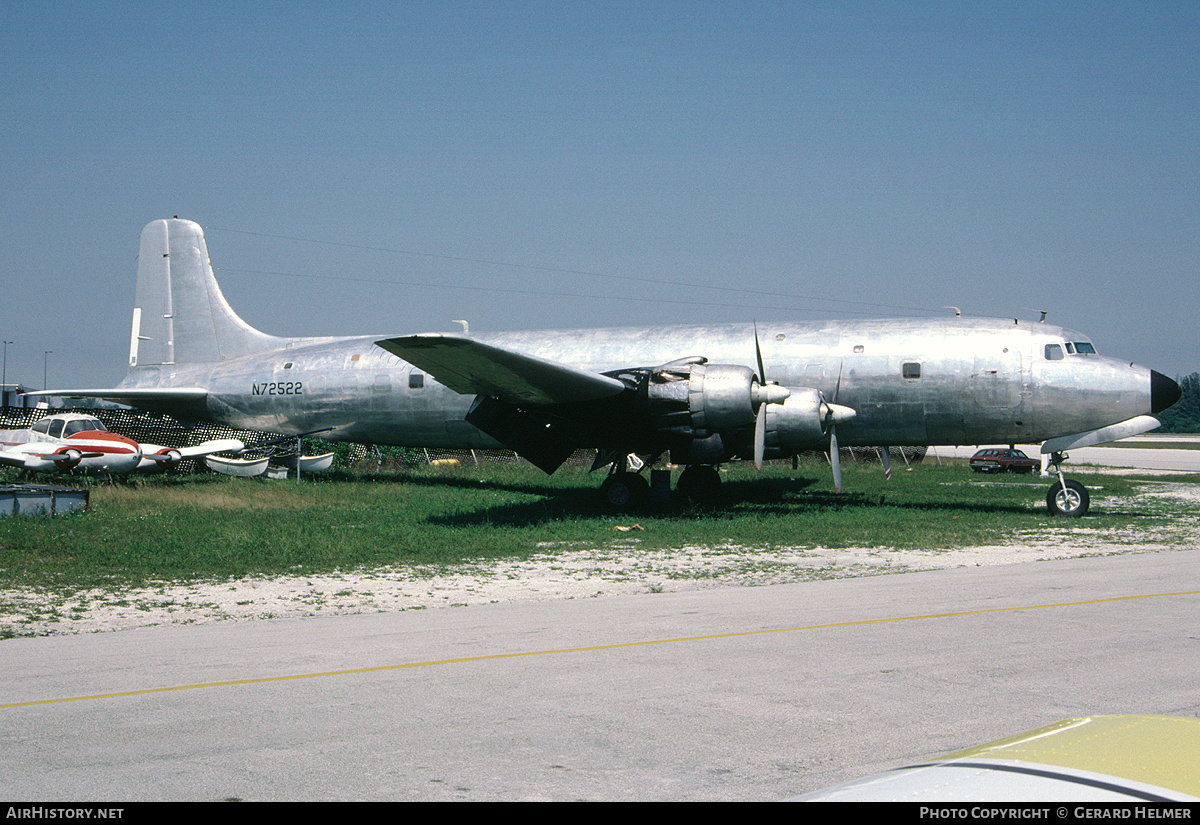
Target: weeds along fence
x,y
162,429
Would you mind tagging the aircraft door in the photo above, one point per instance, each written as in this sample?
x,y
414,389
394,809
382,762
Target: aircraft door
x,y
1000,384
997,379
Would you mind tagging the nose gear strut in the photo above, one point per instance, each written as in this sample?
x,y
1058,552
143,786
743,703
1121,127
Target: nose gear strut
x,y
1066,497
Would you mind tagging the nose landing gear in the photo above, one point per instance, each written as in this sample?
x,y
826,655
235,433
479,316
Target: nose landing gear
x,y
1066,497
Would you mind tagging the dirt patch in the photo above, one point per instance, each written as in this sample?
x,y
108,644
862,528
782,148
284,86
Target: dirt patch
x,y
618,566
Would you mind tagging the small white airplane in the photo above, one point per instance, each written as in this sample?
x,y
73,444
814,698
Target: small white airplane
x,y
60,443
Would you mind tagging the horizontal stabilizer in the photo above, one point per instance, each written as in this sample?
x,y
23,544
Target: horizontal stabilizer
x,y
130,393
183,401
1133,426
472,368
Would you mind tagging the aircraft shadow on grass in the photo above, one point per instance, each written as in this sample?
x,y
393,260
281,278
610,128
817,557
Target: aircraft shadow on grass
x,y
775,497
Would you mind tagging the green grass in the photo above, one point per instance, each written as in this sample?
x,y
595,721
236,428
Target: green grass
x,y
214,528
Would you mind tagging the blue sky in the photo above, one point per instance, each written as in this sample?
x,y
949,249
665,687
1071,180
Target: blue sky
x,y
385,168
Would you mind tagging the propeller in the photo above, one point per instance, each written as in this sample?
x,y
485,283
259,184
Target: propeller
x,y
885,453
66,458
834,413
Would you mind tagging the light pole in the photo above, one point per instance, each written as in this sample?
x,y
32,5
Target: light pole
x,y
45,361
4,377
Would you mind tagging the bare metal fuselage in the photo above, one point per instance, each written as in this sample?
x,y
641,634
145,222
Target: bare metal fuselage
x,y
920,382
702,394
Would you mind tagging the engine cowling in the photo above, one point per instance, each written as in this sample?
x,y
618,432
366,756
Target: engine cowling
x,y
157,459
698,399
796,424
802,422
65,458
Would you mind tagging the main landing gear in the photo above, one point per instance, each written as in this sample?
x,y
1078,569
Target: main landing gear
x,y
625,489
699,484
1066,497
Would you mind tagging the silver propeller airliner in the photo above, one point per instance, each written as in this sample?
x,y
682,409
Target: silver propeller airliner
x,y
703,395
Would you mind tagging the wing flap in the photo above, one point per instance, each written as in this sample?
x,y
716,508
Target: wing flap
x,y
473,368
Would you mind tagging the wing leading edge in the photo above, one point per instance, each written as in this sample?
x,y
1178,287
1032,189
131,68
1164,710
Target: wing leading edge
x,y
171,400
473,368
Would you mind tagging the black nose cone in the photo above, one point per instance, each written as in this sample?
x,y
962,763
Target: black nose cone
x,y
1163,392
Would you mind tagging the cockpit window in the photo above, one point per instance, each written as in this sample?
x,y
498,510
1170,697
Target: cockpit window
x,y
1070,348
1054,352
1084,348
81,425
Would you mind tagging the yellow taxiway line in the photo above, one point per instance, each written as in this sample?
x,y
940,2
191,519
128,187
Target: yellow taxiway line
x,y
616,646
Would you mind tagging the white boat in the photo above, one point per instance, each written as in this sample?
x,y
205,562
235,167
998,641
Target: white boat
x,y
308,463
245,467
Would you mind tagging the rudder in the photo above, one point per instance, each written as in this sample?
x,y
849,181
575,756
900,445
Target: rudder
x,y
180,315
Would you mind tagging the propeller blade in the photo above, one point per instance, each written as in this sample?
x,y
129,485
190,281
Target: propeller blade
x,y
763,394
835,458
762,371
68,455
886,455
760,436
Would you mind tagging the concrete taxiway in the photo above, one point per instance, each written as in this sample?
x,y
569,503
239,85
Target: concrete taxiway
x,y
756,693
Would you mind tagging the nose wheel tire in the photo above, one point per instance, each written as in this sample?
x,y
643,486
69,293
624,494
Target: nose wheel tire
x,y
1069,500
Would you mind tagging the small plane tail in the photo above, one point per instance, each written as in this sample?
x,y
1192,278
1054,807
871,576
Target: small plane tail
x,y
179,314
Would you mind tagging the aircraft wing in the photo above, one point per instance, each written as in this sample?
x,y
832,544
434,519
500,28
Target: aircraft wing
x,y
43,456
12,458
170,456
473,368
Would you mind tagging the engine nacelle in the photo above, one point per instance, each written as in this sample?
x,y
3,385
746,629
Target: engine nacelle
x,y
157,459
798,423
698,400
69,459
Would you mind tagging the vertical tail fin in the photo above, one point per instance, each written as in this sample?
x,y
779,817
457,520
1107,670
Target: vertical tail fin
x,y
180,315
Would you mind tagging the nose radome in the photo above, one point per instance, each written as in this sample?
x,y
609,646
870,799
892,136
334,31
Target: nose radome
x,y
1163,392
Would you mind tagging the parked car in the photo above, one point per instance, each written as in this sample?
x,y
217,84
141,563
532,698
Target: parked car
x,y
996,460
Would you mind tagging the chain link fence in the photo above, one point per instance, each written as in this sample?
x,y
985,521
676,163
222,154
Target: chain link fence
x,y
162,429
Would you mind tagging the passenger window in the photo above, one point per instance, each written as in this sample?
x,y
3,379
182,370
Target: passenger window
x,y
1054,352
56,428
416,381
42,426
912,370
